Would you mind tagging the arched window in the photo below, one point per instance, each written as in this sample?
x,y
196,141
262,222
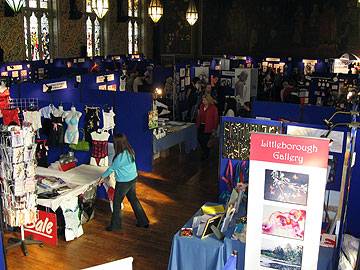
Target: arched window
x,y
134,26
94,32
38,30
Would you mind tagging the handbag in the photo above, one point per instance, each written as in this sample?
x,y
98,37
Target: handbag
x,y
82,145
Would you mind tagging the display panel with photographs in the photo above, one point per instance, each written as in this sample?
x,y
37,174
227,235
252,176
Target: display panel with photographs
x,y
284,222
236,138
286,187
280,255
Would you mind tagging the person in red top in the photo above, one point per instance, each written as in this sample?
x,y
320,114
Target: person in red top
x,y
207,122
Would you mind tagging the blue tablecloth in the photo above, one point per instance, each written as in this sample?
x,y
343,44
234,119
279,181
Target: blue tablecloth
x,y
210,253
186,134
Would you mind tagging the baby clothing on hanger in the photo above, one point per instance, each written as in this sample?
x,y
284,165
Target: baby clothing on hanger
x,y
108,119
99,153
72,132
34,118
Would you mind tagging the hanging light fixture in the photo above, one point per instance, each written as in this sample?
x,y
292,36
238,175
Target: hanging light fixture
x,y
100,7
16,5
191,13
155,10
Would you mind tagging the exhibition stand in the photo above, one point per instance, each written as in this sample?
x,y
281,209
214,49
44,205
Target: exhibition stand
x,y
212,253
80,178
177,133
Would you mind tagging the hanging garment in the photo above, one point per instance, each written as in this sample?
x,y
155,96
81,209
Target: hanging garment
x,y
108,119
11,117
42,153
46,114
73,227
72,131
92,121
4,98
123,83
47,111
99,153
34,118
56,135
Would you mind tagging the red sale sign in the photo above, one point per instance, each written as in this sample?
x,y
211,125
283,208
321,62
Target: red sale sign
x,y
44,229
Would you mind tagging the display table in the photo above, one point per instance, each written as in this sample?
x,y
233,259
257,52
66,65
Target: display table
x,y
83,177
210,253
177,133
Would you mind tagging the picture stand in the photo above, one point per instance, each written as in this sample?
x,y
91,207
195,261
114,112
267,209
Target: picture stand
x,y
23,243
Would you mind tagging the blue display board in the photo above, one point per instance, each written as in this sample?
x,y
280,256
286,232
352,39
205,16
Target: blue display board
x,y
338,158
131,111
239,166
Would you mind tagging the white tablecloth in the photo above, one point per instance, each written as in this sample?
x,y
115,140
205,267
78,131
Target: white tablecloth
x,y
83,176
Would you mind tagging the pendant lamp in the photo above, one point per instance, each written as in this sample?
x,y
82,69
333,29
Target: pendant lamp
x,y
16,5
191,13
155,10
100,7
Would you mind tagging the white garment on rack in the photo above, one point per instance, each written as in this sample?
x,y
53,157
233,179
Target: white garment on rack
x,y
34,118
73,227
47,111
122,83
108,119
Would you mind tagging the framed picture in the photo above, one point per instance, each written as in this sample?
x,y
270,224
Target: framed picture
x,y
286,187
284,222
214,221
280,255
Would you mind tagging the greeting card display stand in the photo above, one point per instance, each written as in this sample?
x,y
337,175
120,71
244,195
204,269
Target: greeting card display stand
x,y
18,183
23,243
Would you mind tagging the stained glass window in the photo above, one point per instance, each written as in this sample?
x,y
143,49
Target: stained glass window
x,y
130,35
94,32
88,6
136,8
44,3
97,38
33,3
89,37
130,8
45,37
26,38
136,37
134,26
37,29
34,34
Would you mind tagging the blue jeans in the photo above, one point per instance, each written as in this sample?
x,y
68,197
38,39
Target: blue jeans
x,y
127,189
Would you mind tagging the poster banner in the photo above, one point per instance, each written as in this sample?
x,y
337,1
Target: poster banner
x,y
54,86
107,78
44,229
287,179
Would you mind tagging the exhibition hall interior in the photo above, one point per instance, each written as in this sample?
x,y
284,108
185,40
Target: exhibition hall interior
x,y
179,134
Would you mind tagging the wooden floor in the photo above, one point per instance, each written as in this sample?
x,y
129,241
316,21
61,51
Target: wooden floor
x,y
170,195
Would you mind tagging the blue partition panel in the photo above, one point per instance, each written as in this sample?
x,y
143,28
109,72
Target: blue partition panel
x,y
353,219
133,108
276,111
336,184
242,165
131,111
